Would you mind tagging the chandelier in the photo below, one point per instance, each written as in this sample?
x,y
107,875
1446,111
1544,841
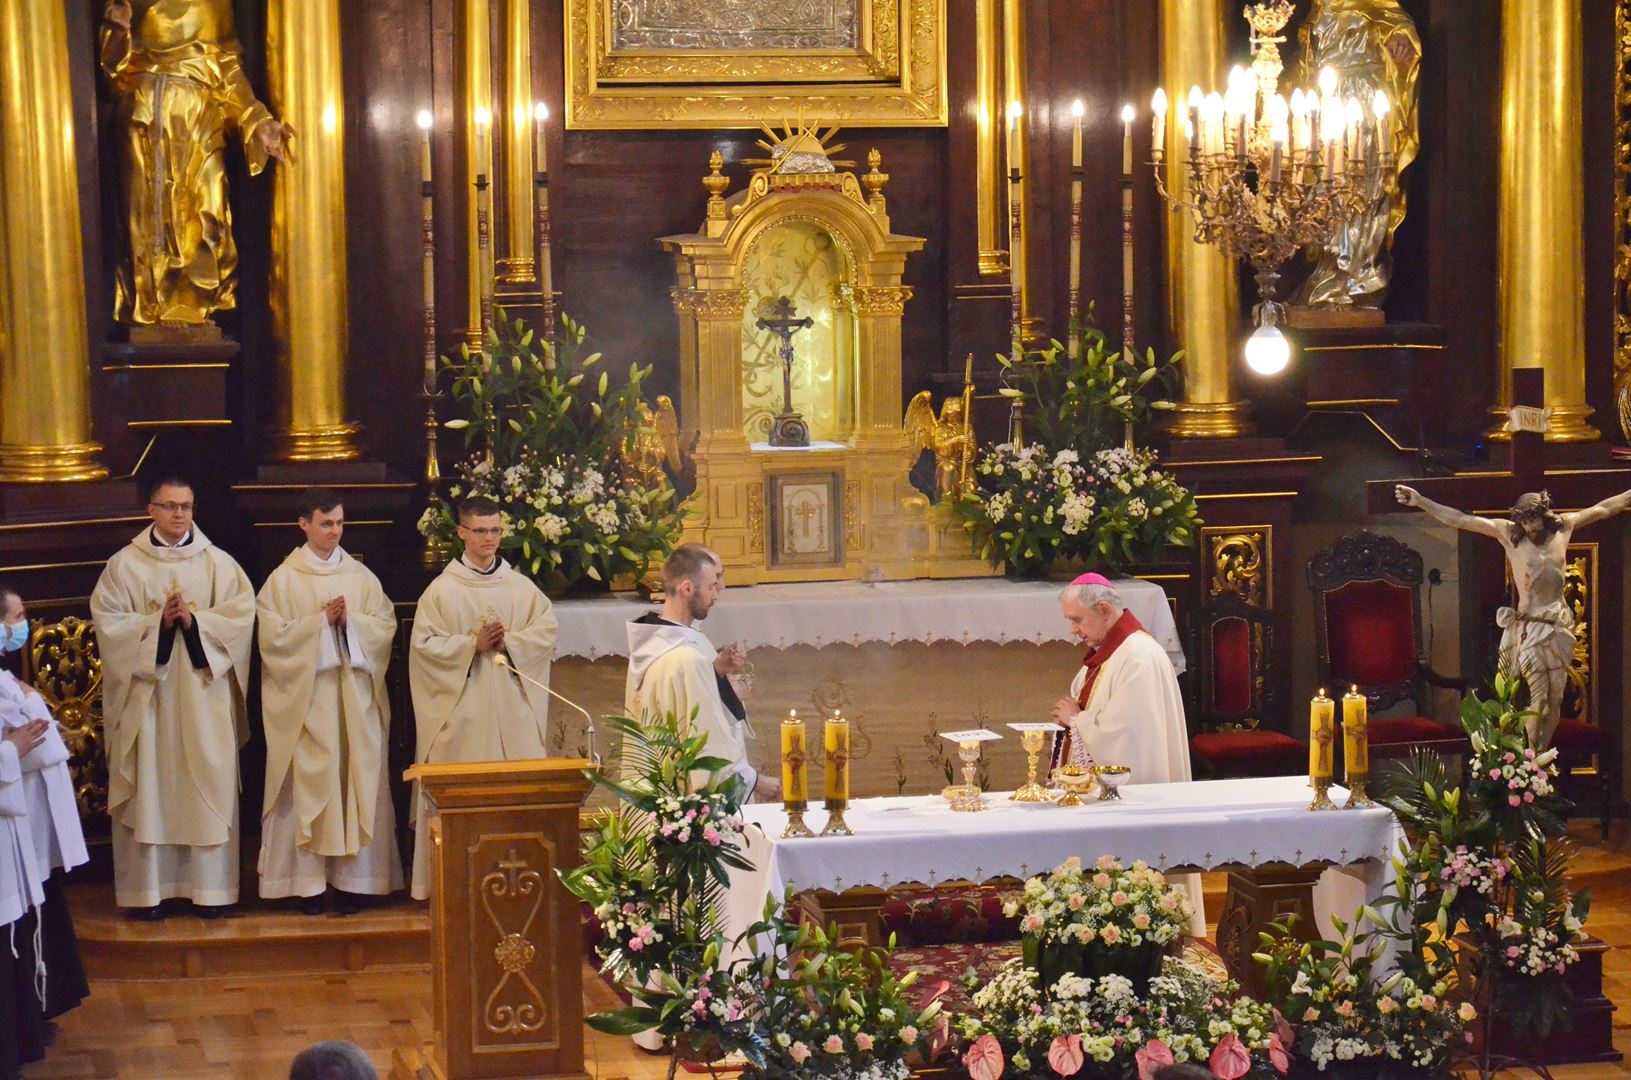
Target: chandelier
x,y
1265,176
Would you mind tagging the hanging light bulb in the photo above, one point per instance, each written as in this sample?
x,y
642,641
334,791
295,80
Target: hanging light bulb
x,y
1267,350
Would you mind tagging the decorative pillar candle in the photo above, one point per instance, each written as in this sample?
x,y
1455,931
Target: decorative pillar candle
x,y
836,743
1356,747
795,762
1322,737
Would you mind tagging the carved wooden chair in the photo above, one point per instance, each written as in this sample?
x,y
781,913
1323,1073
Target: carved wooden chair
x,y
1236,704
1368,634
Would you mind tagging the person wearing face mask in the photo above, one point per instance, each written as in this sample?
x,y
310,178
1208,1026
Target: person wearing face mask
x,y
468,704
23,976
53,816
326,628
175,620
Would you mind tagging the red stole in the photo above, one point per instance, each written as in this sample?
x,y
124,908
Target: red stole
x,y
1122,629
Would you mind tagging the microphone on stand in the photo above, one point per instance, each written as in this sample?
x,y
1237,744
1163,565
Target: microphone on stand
x,y
503,661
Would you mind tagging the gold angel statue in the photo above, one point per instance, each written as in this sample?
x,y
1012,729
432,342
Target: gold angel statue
x,y
1371,45
176,70
655,443
950,437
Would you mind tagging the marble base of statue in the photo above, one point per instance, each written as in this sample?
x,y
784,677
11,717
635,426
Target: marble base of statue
x,y
789,429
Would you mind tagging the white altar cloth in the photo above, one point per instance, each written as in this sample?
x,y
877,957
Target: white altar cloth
x,y
854,612
1203,825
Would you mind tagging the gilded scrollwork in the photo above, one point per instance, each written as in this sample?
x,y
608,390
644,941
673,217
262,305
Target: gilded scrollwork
x,y
710,303
514,1006
67,671
659,63
756,518
852,515
885,300
1580,593
1237,563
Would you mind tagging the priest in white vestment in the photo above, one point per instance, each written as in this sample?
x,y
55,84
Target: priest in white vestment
x,y
326,628
1124,706
673,668
53,815
175,618
467,706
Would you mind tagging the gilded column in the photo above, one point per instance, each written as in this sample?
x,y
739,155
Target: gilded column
x,y
514,249
477,59
1541,259
45,410
1013,35
308,294
989,177
1202,289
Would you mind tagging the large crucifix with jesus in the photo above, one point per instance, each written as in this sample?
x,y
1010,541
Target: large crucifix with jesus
x,y
1537,639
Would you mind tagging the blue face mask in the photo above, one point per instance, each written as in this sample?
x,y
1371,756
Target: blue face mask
x,y
16,636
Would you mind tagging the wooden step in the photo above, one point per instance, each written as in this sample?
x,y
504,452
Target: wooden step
x,y
268,939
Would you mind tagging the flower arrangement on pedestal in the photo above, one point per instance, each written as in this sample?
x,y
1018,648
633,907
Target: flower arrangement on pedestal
x,y
1478,924
556,445
782,999
1071,486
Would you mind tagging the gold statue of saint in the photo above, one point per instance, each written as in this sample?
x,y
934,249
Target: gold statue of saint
x,y
951,438
177,71
655,443
1371,45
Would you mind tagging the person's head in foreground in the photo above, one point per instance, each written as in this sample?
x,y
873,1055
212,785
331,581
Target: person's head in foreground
x,y
322,519
693,579
336,1060
170,505
481,528
1091,606
13,620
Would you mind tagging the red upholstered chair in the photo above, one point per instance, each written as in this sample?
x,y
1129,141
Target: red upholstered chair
x,y
1235,736
1367,630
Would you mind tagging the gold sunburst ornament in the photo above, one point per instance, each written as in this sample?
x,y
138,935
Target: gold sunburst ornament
x,y
798,149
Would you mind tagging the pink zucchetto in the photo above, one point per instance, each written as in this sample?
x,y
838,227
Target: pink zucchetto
x,y
1091,579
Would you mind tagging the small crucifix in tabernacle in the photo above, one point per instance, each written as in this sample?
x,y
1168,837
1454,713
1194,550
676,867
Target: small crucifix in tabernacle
x,y
788,428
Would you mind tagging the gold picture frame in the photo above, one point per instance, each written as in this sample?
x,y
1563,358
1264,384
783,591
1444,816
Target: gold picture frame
x,y
873,63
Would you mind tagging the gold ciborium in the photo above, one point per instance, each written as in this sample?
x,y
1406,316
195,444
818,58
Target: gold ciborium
x,y
1076,780
1110,778
969,800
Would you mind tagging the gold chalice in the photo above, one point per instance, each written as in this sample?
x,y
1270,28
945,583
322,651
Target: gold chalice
x,y
1077,780
1111,777
1031,791
969,800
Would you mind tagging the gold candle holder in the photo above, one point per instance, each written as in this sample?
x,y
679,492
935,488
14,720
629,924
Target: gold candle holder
x,y
1031,791
835,739
1322,795
795,776
1356,748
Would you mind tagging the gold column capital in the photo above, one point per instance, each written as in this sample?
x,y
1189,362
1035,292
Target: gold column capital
x,y
45,409
880,300
1541,240
711,304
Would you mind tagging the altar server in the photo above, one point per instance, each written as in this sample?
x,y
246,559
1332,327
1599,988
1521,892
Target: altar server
x,y
175,618
53,818
673,668
1124,706
22,1018
326,628
469,707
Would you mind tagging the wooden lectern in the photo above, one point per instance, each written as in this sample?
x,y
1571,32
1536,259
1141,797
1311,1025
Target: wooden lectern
x,y
505,939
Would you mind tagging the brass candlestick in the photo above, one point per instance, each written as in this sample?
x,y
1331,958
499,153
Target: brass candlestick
x,y
436,550
1031,791
1357,799
969,800
795,821
1322,795
836,825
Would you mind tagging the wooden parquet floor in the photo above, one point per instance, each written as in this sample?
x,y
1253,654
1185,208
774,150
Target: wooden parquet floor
x,y
245,1028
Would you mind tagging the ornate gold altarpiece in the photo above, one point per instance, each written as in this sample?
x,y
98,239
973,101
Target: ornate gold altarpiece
x,y
843,507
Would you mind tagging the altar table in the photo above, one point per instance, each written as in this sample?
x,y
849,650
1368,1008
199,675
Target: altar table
x,y
1258,829
903,660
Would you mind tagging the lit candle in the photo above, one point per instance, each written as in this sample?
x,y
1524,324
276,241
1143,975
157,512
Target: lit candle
x,y
1321,738
428,255
1196,100
1277,136
1127,115
484,120
795,761
540,116
1355,736
836,741
1384,127
1354,123
1076,110
1158,124
1014,114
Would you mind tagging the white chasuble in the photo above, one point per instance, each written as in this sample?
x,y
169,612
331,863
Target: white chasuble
x,y
174,722
1134,716
327,718
53,811
671,670
466,707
